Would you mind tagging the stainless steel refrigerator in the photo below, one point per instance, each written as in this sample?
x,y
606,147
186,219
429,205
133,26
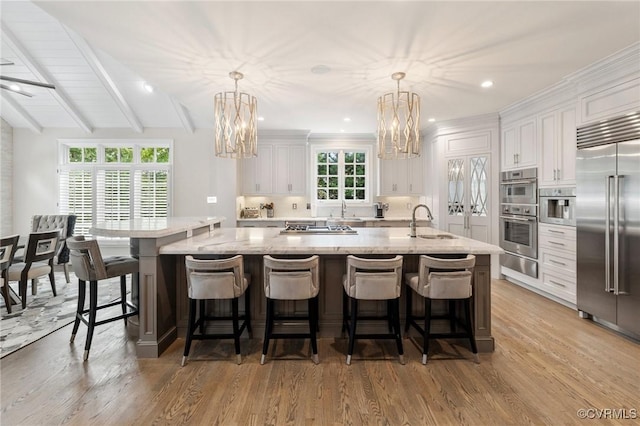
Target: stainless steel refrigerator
x,y
608,222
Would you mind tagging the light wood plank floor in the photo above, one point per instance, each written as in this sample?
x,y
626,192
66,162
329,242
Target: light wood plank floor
x,y
548,364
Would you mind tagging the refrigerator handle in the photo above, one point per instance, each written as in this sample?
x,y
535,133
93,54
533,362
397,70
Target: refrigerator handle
x,y
616,234
607,235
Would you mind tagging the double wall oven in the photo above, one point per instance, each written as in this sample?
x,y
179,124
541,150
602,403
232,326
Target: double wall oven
x,y
519,220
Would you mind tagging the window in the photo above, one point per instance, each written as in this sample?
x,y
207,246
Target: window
x,y
342,174
114,180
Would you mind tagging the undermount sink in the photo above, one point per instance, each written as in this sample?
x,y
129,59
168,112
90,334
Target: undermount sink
x,y
437,236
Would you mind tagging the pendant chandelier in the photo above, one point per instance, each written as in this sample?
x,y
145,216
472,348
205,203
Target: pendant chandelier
x,y
236,115
398,123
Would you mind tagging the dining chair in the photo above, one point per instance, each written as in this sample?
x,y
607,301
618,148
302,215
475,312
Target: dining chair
x,y
38,261
8,247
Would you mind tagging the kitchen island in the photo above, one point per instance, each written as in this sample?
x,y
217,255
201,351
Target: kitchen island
x,y
253,243
154,290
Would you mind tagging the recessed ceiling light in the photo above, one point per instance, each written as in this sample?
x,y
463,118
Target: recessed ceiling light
x,y
487,83
14,87
431,120
320,69
260,118
146,86
347,119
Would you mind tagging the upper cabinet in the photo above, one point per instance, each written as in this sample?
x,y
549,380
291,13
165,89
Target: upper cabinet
x,y
290,171
519,148
279,169
257,176
401,177
557,129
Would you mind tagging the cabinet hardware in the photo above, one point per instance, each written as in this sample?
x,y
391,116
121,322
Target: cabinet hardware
x,y
556,243
558,174
556,232
554,174
557,263
557,283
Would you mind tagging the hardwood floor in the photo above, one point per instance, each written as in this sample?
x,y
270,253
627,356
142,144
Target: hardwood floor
x,y
548,364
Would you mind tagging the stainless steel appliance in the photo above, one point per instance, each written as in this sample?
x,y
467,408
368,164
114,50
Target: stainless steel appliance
x,y
295,228
519,186
380,209
519,221
558,206
608,222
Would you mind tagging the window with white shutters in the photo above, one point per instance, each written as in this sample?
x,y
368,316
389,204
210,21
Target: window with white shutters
x,y
114,180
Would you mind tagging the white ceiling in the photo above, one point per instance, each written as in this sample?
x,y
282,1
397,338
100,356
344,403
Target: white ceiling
x,y
99,53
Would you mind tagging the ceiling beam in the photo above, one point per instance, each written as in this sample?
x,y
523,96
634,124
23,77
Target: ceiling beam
x,y
31,122
184,116
43,76
106,80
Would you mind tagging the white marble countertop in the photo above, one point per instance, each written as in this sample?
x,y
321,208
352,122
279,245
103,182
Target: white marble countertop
x,y
152,227
367,241
322,219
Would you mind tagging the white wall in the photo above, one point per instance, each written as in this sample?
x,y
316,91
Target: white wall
x,y
6,178
197,173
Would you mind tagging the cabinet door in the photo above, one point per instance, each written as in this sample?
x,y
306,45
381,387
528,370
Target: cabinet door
x,y
509,148
548,145
281,169
297,170
468,197
393,177
566,165
256,172
527,146
415,176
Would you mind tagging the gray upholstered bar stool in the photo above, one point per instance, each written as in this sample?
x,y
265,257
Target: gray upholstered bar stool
x,y
291,279
373,279
217,279
89,265
442,279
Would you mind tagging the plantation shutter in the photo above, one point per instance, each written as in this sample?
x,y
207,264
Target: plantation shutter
x,y
113,201
76,197
151,193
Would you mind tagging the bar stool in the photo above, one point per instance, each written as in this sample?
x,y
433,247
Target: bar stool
x,y
291,279
372,279
89,265
443,279
215,280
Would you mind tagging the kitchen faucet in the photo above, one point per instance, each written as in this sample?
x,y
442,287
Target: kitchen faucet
x,y
413,218
344,208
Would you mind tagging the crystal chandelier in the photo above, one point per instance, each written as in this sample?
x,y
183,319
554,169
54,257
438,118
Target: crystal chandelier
x,y
398,123
236,119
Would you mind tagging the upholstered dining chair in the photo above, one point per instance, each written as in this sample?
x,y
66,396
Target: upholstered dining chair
x,y
372,279
8,247
88,264
448,280
38,261
66,223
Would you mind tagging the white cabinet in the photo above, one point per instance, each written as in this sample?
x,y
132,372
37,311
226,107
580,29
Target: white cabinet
x,y
468,211
401,177
519,144
279,169
557,257
257,176
290,171
558,147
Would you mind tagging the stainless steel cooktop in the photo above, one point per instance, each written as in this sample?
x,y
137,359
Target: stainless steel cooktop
x,y
318,229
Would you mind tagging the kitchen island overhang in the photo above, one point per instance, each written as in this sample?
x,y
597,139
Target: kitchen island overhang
x,y
253,243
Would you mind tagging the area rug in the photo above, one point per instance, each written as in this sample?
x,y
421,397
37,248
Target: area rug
x,y
45,313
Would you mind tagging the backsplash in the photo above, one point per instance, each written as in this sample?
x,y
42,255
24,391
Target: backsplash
x,y
284,207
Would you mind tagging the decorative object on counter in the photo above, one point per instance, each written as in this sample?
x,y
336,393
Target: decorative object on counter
x,y
236,117
398,123
250,213
269,208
